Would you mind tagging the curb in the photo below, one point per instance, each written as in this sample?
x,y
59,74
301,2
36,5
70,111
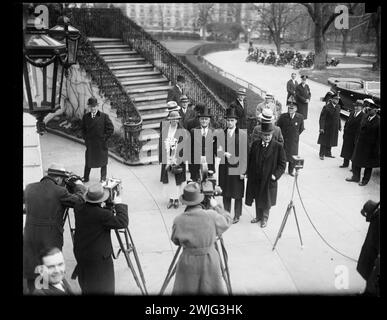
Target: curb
x,y
111,154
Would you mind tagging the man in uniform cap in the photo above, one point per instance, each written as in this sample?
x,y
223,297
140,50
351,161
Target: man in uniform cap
x,y
303,97
240,106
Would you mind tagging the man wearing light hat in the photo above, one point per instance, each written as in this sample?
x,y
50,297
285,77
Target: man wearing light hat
x,y
266,116
186,112
45,204
240,106
198,269
92,242
303,97
269,103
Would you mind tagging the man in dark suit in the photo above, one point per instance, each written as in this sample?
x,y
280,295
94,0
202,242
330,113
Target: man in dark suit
x,y
292,125
175,93
92,242
330,125
233,164
303,97
291,86
186,112
45,204
266,164
52,271
240,106
97,128
351,132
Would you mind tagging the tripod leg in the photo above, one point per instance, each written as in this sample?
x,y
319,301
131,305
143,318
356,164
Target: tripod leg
x,y
225,258
171,271
282,225
298,227
222,268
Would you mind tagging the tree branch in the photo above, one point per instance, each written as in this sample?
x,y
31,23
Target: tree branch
x,y
310,10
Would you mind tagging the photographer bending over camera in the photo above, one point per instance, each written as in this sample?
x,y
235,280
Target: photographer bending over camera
x,y
198,269
45,204
92,242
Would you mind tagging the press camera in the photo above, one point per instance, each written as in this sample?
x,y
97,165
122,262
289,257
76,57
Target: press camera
x,y
114,187
298,162
69,181
208,185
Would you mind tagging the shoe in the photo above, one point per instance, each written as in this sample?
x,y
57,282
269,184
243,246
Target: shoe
x,y
176,204
235,220
170,204
343,166
329,156
255,220
321,157
263,223
291,173
352,179
85,180
362,183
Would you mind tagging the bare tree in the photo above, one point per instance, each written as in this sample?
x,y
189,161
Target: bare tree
x,y
376,23
204,16
161,7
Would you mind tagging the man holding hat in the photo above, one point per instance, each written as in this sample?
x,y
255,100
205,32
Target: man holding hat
x,y
233,164
176,91
351,132
97,128
266,116
240,106
92,242
266,164
303,97
45,204
198,269
330,125
292,125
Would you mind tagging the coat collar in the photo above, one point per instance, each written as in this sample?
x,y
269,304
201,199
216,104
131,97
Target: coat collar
x,y
189,209
48,178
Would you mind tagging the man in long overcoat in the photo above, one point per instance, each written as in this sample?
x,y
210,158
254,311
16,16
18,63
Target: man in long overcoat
x,y
291,86
351,132
45,203
240,106
92,241
330,125
292,125
266,164
175,93
198,269
367,149
233,165
303,97
97,128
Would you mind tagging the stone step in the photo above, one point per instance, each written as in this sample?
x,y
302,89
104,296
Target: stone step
x,y
144,81
149,134
109,40
154,116
154,126
118,53
111,46
151,98
149,159
150,89
138,74
125,68
150,145
152,107
124,80
125,60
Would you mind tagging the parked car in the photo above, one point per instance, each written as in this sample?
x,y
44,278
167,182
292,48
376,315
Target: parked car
x,y
352,89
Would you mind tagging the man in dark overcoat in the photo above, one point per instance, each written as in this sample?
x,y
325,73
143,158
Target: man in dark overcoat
x,y
97,128
292,125
240,106
303,97
367,149
45,203
330,125
266,164
291,86
92,241
351,132
233,165
175,93
186,112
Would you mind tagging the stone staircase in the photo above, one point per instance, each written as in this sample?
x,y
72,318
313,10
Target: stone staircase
x,y
146,86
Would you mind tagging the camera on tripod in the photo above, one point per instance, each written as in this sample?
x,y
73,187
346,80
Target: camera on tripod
x,y
69,181
298,162
114,187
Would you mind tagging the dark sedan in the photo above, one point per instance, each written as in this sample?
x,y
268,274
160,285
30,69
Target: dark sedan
x,y
352,89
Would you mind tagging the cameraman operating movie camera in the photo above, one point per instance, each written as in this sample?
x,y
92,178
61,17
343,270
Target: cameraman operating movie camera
x,y
196,230
92,241
46,202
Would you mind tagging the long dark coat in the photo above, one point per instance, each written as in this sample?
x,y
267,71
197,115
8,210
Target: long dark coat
x,y
96,132
291,130
351,132
179,177
241,112
291,88
45,203
302,93
198,268
187,117
93,245
262,163
330,122
367,150
231,184
174,94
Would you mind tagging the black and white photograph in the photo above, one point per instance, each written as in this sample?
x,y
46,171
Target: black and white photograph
x,y
206,149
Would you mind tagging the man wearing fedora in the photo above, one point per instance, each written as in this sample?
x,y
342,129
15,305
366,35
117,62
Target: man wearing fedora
x,y
266,116
292,125
269,103
176,91
97,128
186,112
303,97
351,132
240,106
45,204
92,242
330,125
266,164
233,164
171,158
198,269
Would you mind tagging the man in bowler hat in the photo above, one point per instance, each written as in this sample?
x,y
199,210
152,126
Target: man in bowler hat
x,y
240,106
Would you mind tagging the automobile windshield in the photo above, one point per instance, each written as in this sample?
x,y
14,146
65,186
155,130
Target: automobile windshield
x,y
373,85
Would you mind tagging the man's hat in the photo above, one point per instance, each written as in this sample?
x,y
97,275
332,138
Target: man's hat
x,y
230,113
184,98
335,95
269,95
92,101
304,76
172,106
180,78
174,115
369,207
191,194
241,91
96,193
291,99
205,112
266,115
359,102
369,100
267,127
291,105
57,169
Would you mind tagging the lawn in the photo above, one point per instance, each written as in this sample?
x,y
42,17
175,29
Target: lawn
x,y
353,60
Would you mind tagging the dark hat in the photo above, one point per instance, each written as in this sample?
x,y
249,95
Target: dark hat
x,y
92,101
191,195
359,102
174,115
199,108
180,78
205,112
304,76
241,91
96,193
184,98
267,127
369,207
230,113
57,169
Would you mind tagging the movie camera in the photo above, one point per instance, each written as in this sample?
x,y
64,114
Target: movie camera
x,y
114,187
208,186
298,162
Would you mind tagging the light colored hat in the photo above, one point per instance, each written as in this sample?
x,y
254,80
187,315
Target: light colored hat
x,y
191,195
174,115
57,169
369,100
241,91
266,115
173,106
359,102
96,193
184,98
